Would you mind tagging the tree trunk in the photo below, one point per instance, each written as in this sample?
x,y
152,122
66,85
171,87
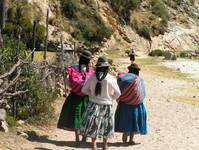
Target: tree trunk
x,y
2,13
46,39
34,38
3,8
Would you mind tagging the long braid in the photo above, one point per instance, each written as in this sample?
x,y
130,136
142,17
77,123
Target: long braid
x,y
101,73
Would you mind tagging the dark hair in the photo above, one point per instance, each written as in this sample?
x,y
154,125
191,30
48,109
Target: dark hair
x,y
84,61
134,71
101,73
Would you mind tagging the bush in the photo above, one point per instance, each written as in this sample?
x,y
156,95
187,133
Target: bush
x,y
144,31
156,52
184,54
159,9
36,103
123,7
23,20
70,8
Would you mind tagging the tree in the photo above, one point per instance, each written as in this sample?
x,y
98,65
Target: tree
x,y
2,18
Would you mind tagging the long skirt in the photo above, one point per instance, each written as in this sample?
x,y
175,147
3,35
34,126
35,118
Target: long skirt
x,y
97,121
129,118
72,112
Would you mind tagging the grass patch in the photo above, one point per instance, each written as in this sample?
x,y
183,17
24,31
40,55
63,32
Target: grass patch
x,y
38,56
187,100
151,65
113,54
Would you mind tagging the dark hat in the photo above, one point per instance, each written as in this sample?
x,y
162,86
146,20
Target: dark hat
x,y
133,66
86,54
102,62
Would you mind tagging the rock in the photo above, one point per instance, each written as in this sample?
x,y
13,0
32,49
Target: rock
x,y
22,134
169,56
1,81
2,114
178,69
3,126
162,81
194,96
20,122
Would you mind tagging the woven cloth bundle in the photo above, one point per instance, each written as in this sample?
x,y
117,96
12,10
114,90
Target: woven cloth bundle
x,y
132,88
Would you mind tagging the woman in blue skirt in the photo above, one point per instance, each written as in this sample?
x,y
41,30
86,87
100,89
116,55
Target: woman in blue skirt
x,y
130,116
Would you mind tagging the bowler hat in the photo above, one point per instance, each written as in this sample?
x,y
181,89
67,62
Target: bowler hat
x,y
102,62
86,54
133,66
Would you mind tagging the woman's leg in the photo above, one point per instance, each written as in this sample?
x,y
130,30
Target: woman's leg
x,y
94,143
131,139
76,136
84,139
105,143
124,137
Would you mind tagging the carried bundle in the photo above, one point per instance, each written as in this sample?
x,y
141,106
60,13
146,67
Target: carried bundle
x,y
132,88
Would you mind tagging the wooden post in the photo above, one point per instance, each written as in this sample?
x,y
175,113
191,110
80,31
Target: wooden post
x,y
3,8
2,13
34,38
19,29
46,39
1,40
74,50
63,63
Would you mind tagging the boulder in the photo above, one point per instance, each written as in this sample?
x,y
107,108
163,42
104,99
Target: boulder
x,y
3,126
169,56
2,114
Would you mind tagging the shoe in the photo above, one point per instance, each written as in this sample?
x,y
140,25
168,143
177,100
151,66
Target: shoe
x,y
132,143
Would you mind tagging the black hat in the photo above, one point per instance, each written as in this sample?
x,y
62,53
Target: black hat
x,y
102,62
133,66
86,54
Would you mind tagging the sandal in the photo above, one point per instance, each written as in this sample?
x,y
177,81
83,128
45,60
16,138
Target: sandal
x,y
132,143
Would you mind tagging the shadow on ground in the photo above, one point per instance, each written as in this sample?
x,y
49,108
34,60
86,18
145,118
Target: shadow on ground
x,y
34,137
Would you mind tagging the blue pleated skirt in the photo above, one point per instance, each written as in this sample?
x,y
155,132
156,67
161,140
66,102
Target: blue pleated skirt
x,y
129,118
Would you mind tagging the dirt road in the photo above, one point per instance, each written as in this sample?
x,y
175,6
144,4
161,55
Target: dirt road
x,y
172,124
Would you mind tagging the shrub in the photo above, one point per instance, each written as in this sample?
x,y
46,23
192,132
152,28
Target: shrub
x,y
159,9
184,54
23,20
70,8
156,52
144,31
36,103
89,27
123,7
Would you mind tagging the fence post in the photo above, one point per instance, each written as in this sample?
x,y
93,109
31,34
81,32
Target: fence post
x,y
3,8
2,13
19,29
34,38
46,38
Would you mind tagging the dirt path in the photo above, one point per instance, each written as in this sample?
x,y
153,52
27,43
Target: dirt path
x,y
172,125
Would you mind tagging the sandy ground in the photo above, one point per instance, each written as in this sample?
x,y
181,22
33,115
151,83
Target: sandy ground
x,y
172,125
185,66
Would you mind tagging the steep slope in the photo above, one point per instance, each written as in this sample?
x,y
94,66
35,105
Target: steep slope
x,y
148,25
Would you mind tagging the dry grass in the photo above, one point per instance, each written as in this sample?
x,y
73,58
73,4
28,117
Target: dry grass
x,y
38,56
152,65
187,100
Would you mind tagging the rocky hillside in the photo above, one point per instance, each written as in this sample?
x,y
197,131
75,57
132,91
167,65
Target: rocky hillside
x,y
118,24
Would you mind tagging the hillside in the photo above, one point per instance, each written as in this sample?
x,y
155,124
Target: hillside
x,y
116,24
